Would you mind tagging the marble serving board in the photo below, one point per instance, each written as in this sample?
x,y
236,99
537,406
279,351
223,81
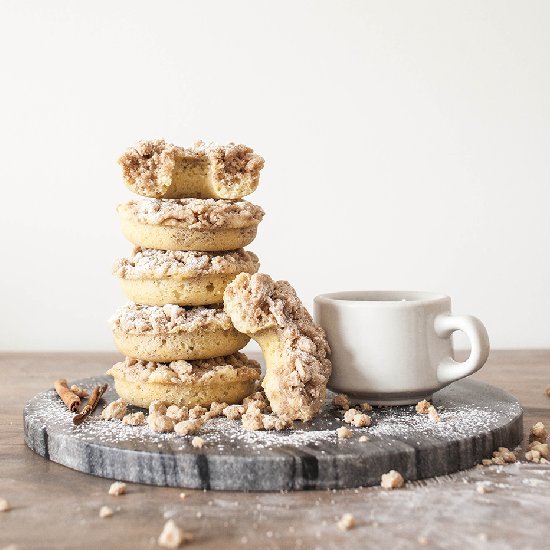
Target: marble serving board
x,y
476,418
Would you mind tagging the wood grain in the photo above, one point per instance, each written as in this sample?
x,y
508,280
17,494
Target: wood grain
x,y
49,500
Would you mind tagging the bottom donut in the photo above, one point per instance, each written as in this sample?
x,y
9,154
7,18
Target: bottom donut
x,y
226,379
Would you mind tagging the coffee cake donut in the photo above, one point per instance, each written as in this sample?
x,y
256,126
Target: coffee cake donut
x,y
295,348
171,332
186,383
186,278
190,224
160,170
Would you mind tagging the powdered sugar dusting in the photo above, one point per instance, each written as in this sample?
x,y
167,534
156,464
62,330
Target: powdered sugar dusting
x,y
223,436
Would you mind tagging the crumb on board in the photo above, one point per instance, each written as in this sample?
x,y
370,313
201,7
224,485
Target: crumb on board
x,y
392,480
160,423
365,407
115,410
433,414
117,488
105,512
134,419
157,407
189,427
183,496
78,390
347,521
172,536
341,401
344,433
5,506
197,442
363,439
422,407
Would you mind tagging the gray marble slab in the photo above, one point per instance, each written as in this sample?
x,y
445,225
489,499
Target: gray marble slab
x,y
476,418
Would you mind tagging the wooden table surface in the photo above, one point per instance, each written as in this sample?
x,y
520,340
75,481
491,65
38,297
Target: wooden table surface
x,y
55,507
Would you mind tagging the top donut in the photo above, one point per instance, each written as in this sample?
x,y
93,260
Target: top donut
x,y
160,170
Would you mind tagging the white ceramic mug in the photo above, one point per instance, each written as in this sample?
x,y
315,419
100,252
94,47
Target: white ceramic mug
x,y
395,347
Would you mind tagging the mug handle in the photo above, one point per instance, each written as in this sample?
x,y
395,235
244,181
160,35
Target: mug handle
x,y
450,370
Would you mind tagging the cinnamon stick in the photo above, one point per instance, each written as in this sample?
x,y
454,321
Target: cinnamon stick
x,y
90,407
69,398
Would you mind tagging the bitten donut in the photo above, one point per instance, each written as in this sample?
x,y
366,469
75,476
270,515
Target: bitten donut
x,y
295,348
186,278
186,383
206,170
171,332
190,224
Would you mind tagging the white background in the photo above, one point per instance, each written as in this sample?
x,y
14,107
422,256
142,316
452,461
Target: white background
x,y
406,143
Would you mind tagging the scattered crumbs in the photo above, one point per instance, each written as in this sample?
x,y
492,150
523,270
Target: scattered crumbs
x,y
392,480
197,442
5,506
105,512
346,522
117,488
172,536
363,439
422,407
341,401
344,433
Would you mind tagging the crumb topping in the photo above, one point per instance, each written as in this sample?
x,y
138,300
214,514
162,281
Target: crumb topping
x,y
423,407
168,319
148,167
231,367
258,303
155,264
194,213
343,432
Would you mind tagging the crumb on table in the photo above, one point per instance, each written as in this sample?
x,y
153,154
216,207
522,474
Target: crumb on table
x,y
433,414
347,521
5,506
172,536
134,419
344,433
363,439
392,480
105,512
79,391
538,432
117,488
115,410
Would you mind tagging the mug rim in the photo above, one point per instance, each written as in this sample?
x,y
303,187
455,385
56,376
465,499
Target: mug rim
x,y
404,298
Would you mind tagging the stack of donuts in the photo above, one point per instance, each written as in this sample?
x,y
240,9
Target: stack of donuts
x,y
188,230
